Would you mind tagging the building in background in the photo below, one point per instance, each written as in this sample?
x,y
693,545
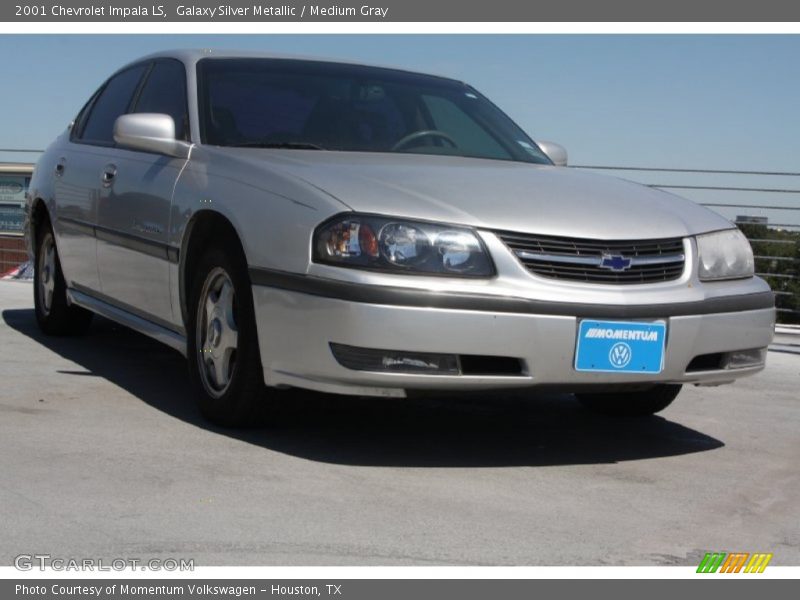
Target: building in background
x,y
751,220
14,181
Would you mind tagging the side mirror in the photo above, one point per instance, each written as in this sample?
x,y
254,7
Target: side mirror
x,y
555,152
150,132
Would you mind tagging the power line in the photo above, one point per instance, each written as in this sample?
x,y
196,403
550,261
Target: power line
x,y
723,189
666,170
719,204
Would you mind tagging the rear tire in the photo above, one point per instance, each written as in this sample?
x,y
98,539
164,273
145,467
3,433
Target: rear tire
x,y
53,314
631,404
224,358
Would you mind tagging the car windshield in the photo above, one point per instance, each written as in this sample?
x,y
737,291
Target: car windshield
x,y
310,105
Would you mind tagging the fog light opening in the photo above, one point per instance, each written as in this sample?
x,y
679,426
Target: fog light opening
x,y
427,363
395,361
415,362
742,359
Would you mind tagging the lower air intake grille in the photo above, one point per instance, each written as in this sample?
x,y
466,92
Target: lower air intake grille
x,y
598,261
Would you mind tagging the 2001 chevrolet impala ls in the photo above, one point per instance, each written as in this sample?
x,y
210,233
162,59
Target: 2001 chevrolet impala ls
x,y
364,230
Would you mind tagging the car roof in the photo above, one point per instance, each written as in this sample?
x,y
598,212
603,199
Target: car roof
x,y
191,56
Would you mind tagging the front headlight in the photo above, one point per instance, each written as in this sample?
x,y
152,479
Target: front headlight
x,y
724,255
401,246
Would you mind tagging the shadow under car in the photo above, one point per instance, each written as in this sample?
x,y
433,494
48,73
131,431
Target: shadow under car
x,y
477,429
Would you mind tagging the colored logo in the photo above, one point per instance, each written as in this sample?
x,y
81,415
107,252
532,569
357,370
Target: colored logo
x,y
620,355
615,262
620,346
734,562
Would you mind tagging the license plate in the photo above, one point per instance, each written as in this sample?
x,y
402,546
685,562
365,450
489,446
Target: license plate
x,y
620,347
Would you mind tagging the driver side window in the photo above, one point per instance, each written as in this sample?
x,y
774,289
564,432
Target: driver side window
x,y
113,101
164,92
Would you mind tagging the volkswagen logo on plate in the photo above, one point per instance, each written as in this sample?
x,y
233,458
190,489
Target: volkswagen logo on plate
x,y
620,355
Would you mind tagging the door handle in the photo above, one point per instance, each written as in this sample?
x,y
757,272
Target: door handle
x,y
60,166
109,172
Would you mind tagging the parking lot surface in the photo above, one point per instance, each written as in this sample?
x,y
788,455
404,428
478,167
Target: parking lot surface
x,y
103,455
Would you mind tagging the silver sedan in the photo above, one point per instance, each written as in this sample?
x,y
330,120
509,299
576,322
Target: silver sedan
x,y
362,230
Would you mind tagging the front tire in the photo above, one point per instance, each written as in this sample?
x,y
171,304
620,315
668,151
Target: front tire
x,y
224,359
53,313
631,404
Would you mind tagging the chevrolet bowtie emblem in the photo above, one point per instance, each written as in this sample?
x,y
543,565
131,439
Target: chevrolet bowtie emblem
x,y
615,262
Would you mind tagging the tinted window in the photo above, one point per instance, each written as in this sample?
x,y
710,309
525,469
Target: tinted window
x,y
286,107
302,104
112,102
465,131
164,92
80,120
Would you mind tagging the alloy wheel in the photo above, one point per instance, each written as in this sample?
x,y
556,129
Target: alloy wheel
x,y
47,272
217,332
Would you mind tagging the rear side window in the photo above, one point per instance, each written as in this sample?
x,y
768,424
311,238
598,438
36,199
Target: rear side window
x,y
164,92
112,102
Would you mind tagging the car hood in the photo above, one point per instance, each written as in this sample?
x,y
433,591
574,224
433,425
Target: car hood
x,y
491,194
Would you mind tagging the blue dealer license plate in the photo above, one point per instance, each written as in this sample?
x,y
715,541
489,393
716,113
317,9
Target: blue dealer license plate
x,y
620,347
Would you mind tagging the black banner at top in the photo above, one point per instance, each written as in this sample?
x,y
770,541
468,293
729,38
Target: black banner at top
x,y
399,11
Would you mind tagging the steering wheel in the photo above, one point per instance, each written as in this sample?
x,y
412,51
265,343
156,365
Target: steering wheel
x,y
416,135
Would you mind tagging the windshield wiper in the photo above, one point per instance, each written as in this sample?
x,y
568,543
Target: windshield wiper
x,y
287,145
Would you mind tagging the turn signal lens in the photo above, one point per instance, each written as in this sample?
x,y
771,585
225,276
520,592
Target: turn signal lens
x,y
367,241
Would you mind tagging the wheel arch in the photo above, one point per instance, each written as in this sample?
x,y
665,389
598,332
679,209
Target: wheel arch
x,y
205,229
38,212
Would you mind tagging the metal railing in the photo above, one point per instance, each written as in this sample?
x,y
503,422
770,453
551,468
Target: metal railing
x,y
774,232
11,258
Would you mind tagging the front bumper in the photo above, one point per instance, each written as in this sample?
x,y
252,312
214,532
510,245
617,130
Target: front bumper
x,y
296,327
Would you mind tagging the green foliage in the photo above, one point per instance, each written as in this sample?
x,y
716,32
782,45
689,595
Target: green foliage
x,y
778,253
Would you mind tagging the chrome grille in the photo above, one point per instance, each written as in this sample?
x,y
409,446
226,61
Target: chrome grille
x,y
598,261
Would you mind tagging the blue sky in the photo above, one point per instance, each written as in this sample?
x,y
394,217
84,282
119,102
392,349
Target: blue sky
x,y
724,102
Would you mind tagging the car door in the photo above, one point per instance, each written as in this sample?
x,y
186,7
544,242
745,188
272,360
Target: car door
x,y
133,254
78,177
